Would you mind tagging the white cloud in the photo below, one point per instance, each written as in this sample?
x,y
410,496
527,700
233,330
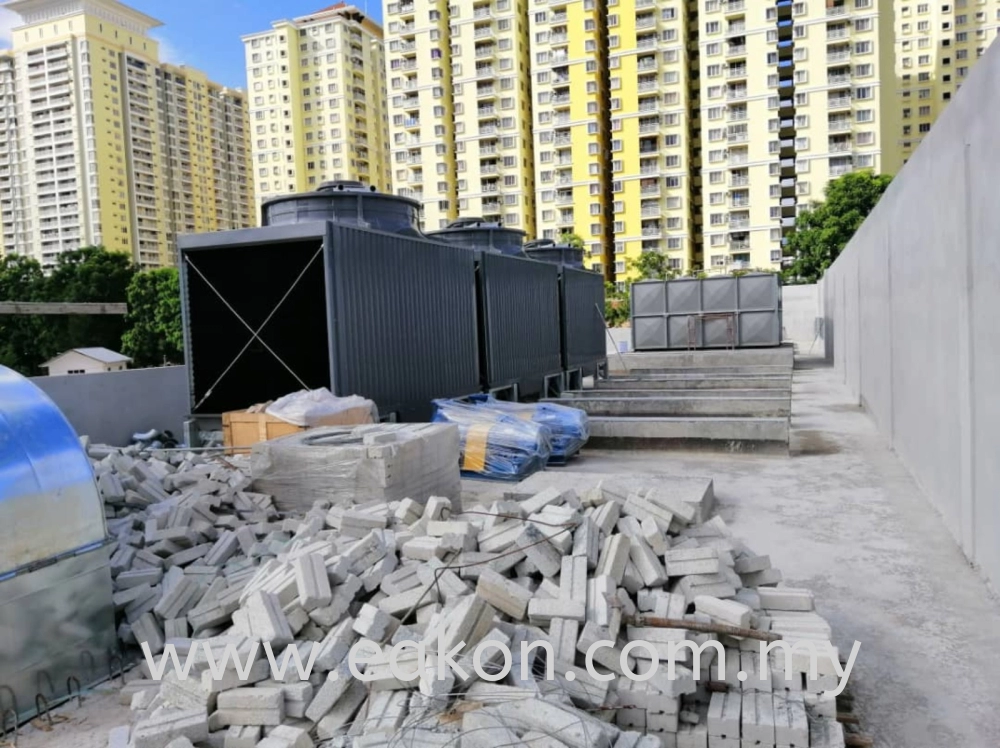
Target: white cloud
x,y
168,52
8,21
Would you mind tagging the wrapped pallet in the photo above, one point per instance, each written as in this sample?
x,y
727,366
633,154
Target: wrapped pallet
x,y
355,465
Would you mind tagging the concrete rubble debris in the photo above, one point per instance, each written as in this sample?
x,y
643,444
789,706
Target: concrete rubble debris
x,y
204,557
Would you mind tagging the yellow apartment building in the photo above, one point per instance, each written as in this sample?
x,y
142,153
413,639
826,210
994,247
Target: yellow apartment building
x,y
460,109
317,97
572,124
794,94
100,136
654,132
936,45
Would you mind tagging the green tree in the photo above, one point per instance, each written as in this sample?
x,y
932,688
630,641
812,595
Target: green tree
x,y
21,336
824,229
653,266
616,305
573,240
154,335
91,274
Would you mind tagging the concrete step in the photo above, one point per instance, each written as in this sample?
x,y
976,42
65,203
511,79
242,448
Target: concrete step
x,y
605,392
782,356
694,382
725,434
754,407
735,371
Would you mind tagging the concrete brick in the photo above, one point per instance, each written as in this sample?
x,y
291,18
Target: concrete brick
x,y
180,743
147,629
826,733
503,594
766,578
118,737
601,591
266,620
159,729
692,736
372,623
401,580
641,508
573,579
334,687
724,712
587,542
540,551
606,516
723,611
338,719
335,647
312,582
614,557
286,736
786,599
434,573
680,509
791,726
757,719
251,698
470,620
749,564
544,610
646,563
563,636
609,657
181,598
246,736
654,536
575,728
541,500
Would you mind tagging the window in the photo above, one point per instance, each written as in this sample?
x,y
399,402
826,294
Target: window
x,y
925,127
865,115
862,48
713,27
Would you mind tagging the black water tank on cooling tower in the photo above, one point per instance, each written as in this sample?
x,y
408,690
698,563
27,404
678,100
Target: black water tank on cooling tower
x,y
346,202
546,250
477,233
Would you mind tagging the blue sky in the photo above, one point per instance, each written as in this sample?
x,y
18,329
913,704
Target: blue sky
x,y
206,34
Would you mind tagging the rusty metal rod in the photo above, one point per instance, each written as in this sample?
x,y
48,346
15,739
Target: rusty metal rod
x,y
702,628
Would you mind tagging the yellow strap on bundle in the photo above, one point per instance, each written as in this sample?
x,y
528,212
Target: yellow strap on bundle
x,y
526,415
475,447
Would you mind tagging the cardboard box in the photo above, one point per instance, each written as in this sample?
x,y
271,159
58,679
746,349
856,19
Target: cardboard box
x,y
241,429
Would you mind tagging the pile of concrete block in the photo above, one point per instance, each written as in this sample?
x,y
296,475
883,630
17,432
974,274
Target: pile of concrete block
x,y
202,561
376,462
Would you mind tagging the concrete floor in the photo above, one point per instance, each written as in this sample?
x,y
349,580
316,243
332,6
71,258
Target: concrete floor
x,y
844,518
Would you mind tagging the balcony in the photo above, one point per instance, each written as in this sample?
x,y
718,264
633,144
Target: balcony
x,y
488,129
645,22
560,99
489,169
736,115
485,71
484,12
564,198
646,86
651,231
740,136
562,141
644,4
648,127
839,171
739,202
737,71
648,170
739,181
646,64
564,161
739,264
411,123
646,43
839,80
840,146
736,29
560,119
739,224
650,189
559,17
489,187
838,56
736,94
405,47
836,10
837,33
739,246
558,38
839,125
408,102
406,9
839,102
486,111
407,28
485,52
653,212
484,32
738,159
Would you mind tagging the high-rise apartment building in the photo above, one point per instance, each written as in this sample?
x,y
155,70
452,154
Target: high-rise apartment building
x,y
654,131
460,109
936,44
316,89
106,146
793,94
572,124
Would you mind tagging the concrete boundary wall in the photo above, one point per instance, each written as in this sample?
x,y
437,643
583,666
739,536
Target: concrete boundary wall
x,y
111,406
912,314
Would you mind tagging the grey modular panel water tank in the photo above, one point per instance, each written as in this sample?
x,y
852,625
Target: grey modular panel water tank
x,y
581,296
716,312
274,310
546,250
519,315
480,235
346,202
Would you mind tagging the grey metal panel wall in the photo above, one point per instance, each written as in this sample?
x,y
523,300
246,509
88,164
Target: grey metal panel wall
x,y
667,314
403,319
583,332
520,307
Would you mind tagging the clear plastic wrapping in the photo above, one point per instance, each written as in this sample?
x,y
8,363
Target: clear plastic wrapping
x,y
494,444
569,426
358,464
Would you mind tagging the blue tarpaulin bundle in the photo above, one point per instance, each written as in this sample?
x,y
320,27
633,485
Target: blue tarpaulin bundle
x,y
569,426
495,444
